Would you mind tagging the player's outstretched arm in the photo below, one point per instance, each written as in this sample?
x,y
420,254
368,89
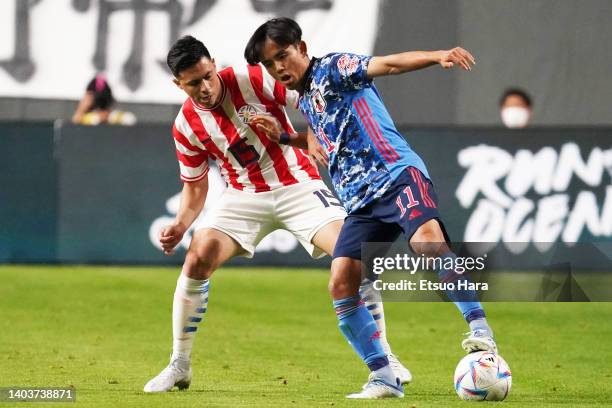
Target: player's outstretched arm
x,y
414,60
273,131
193,197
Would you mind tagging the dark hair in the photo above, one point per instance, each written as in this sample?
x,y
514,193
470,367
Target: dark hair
x,y
515,91
184,53
283,31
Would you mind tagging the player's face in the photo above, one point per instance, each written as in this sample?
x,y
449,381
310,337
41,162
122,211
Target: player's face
x,y
286,64
201,83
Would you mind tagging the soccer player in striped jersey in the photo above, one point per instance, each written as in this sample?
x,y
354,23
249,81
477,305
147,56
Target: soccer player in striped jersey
x,y
269,184
382,182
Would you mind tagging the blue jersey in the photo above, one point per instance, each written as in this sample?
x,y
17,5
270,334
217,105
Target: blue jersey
x,y
345,111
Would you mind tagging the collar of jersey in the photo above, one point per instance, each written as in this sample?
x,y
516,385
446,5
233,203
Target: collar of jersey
x,y
308,75
223,91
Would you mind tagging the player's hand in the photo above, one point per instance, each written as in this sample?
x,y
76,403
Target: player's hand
x,y
170,236
268,125
317,152
457,56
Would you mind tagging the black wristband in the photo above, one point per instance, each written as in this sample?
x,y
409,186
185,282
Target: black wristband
x,y
284,138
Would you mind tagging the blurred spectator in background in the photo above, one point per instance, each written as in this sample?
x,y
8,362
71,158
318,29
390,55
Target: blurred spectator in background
x,y
96,106
515,108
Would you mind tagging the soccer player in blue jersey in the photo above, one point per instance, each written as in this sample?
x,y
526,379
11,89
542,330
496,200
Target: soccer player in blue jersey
x,y
383,184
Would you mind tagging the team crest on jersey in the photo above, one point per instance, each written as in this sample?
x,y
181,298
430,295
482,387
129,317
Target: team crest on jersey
x,y
347,65
318,102
246,113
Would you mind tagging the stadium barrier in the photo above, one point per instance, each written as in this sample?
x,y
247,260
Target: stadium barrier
x,y
99,194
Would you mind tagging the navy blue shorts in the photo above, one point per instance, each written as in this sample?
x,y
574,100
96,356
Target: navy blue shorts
x,y
409,203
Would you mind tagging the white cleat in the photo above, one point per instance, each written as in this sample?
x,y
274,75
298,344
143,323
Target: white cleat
x,y
479,340
401,372
376,388
177,374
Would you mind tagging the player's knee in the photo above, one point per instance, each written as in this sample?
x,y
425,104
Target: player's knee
x,y
339,289
429,239
200,264
345,279
428,232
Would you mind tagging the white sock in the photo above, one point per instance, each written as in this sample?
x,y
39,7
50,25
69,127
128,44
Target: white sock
x,y
190,303
373,303
481,324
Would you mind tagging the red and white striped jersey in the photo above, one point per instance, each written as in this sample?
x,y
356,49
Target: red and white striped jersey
x,y
248,160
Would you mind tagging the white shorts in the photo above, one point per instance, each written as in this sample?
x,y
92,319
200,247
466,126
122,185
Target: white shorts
x,y
301,208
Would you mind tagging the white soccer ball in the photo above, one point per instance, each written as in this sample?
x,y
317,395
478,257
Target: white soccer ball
x,y
482,376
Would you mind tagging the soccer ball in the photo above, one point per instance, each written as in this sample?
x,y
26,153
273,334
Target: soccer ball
x,y
482,376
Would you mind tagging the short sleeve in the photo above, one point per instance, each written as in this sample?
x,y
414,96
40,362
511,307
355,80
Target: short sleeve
x,y
349,72
192,156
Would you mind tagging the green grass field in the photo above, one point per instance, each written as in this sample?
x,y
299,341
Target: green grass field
x,y
270,339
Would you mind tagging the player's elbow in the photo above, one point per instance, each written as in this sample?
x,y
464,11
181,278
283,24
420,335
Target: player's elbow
x,y
393,70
